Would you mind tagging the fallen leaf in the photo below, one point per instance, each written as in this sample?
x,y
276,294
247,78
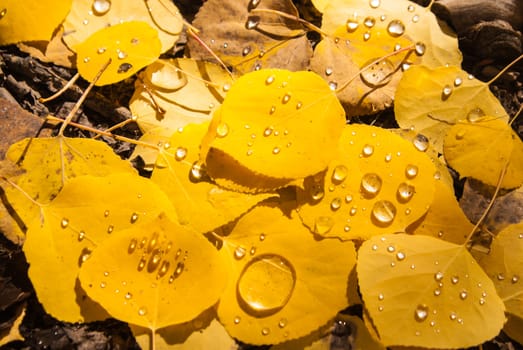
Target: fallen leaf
x,y
54,50
13,334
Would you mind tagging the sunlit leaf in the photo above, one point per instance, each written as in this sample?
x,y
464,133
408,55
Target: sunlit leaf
x,y
49,163
23,21
482,149
154,274
88,17
85,213
377,183
422,290
432,100
183,177
249,40
279,123
126,48
284,283
504,265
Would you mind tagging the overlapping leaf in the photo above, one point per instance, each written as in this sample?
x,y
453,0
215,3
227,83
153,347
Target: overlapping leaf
x,y
154,274
432,100
276,293
183,177
377,183
422,290
482,149
263,121
119,51
85,213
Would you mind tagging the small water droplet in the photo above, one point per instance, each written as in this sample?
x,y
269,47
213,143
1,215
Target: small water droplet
x,y
276,150
339,174
85,22
323,224
253,250
369,22
282,323
371,184
500,277
222,130
252,22
384,212
180,153
142,311
270,79
239,252
458,81
348,198
374,247
411,171
352,25
438,276
367,150
377,73
453,316
262,237
419,48
514,279
333,85
103,284
374,3
400,256
265,331
353,211
336,203
405,192
463,295
366,36
101,7
421,142
124,68
391,249
481,301
197,171
101,50
122,55
437,292
380,308
446,92
396,28
328,71
141,263
246,50
164,268
286,98
81,236
64,223
421,313
411,8
110,229
415,18
87,59
132,245
475,115
3,13
135,41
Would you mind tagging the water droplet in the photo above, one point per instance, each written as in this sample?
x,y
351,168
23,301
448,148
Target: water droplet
x,y
132,245
453,316
366,36
103,285
323,224
463,295
266,284
380,308
391,249
383,18
253,250
276,150
124,68
3,13
500,276
164,268
265,331
367,150
87,59
410,8
101,50
141,263
415,19
419,48
272,110
239,252
411,171
328,71
348,198
197,171
246,50
371,184
421,313
101,7
262,237
369,22
514,279
180,153
222,130
438,276
333,85
384,212
128,296
270,79
446,92
110,229
282,323
458,81
353,211
481,301
122,55
142,311
286,98
81,236
252,22
64,223
396,28
374,247
421,142
405,192
336,203
85,21
339,174
377,73
352,25
237,320
374,3
437,292
400,256
475,114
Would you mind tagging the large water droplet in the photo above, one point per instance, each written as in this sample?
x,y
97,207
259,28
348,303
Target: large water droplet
x,y
339,174
266,284
371,184
396,28
421,142
323,224
101,7
405,192
384,212
475,114
421,313
378,73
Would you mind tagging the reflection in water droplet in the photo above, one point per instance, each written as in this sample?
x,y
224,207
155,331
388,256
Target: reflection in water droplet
x,y
366,36
514,279
396,28
262,237
454,279
239,252
246,50
453,316
352,25
3,13
374,3
328,71
101,7
377,73
339,174
276,150
437,292
282,323
110,229
222,130
132,245
384,212
421,142
411,171
64,223
411,8
405,192
134,218
266,284
124,68
475,114
371,184
421,313
323,224
369,22
415,19
446,92
391,249
122,55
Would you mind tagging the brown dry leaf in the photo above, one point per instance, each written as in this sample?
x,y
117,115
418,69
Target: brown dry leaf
x,y
251,40
54,51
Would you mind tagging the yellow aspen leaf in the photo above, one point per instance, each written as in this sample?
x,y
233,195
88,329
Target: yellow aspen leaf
x,y
504,265
88,17
249,40
422,291
445,218
202,333
87,211
49,163
183,177
154,274
432,100
401,17
264,119
24,21
284,283
125,47
482,149
513,328
13,332
155,136
377,183
54,50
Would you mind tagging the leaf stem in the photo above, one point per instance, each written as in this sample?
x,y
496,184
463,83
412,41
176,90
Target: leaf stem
x,y
208,49
293,17
61,91
505,69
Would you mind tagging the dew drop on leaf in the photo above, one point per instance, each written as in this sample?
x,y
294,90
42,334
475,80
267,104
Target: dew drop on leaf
x,y
240,252
384,212
421,142
367,150
323,224
132,245
371,184
446,92
405,192
411,171
124,68
396,28
352,25
64,223
421,313
101,7
475,114
377,73
374,3
369,22
339,174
